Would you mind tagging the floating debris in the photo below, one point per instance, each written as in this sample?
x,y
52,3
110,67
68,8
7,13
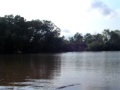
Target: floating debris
x,y
67,86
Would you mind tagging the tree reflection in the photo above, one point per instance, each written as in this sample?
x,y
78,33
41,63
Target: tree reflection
x,y
20,68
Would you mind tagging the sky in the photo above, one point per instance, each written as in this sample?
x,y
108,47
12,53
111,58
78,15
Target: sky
x,y
71,16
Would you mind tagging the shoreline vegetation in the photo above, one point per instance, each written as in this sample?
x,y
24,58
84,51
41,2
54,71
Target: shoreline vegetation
x,y
17,35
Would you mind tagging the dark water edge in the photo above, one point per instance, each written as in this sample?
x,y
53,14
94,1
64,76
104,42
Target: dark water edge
x,y
59,52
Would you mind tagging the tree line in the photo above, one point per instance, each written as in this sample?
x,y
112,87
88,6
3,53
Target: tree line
x,y
17,35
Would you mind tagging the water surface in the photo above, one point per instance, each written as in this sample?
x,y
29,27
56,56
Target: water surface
x,y
64,71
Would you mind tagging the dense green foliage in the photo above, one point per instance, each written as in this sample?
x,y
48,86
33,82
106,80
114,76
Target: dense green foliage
x,y
17,35
20,36
107,41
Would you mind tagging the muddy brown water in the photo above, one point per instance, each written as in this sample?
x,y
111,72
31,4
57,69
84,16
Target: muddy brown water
x,y
63,71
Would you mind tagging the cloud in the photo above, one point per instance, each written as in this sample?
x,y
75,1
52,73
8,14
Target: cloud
x,y
66,31
104,9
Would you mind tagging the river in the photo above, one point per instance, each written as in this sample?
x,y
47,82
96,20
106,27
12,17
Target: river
x,y
61,71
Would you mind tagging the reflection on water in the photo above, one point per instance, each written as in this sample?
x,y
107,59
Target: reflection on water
x,y
64,71
27,70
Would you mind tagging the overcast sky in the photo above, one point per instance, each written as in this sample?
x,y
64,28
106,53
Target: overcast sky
x,y
83,16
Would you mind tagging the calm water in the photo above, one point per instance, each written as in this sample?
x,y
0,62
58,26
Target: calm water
x,y
64,71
